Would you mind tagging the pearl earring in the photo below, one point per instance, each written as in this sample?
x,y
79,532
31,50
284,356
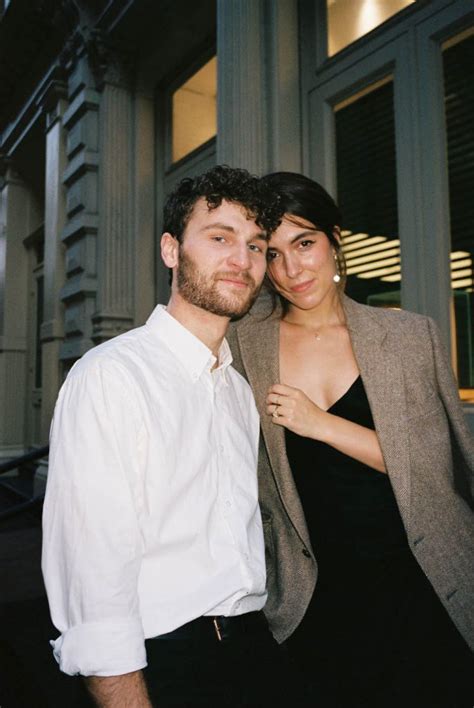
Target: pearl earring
x,y
336,277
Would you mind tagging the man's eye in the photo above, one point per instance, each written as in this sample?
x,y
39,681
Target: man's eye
x,y
256,249
271,255
219,239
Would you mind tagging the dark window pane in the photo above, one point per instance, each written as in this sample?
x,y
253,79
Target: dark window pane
x,y
458,64
367,196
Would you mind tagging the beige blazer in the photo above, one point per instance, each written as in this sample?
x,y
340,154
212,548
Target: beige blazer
x,y
427,448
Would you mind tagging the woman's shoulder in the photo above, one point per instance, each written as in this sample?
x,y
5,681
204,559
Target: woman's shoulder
x,y
388,317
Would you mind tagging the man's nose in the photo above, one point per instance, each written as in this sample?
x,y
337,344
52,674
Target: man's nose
x,y
240,256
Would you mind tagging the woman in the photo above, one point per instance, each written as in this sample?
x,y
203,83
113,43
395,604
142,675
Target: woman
x,y
365,468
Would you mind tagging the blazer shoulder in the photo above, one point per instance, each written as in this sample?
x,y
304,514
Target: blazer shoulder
x,y
400,322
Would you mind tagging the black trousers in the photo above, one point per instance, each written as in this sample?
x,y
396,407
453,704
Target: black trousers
x,y
192,666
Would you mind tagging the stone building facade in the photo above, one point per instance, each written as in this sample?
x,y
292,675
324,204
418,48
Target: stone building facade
x,y
86,128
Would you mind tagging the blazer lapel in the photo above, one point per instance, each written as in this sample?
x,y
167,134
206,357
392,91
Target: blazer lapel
x,y
381,371
260,358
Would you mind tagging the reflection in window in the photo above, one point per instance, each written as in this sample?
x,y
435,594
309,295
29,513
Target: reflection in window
x,y
194,119
458,65
367,196
350,19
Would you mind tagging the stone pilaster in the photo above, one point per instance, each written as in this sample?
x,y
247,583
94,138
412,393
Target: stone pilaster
x,y
80,178
54,102
242,135
258,85
115,299
20,215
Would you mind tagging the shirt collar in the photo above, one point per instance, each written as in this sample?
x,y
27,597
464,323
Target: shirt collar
x,y
193,354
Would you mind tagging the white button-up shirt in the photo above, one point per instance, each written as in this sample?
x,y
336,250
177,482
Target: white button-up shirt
x,y
151,516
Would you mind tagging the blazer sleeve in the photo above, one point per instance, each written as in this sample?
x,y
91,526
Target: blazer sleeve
x,y
463,444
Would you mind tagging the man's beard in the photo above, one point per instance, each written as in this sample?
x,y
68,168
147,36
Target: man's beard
x,y
201,290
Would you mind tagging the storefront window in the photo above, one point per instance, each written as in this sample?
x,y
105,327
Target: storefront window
x,y
458,66
367,196
350,19
194,111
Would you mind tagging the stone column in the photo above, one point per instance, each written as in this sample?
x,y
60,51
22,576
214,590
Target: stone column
x,y
258,85
80,178
20,215
115,297
52,329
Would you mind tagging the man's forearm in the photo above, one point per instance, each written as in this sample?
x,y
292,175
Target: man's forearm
x,y
125,691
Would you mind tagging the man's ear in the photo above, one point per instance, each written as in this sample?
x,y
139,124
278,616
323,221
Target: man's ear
x,y
169,250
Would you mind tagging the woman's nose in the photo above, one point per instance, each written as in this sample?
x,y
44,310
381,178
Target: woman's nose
x,y
292,266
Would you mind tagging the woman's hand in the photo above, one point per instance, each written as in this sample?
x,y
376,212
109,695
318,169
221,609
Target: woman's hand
x,y
293,409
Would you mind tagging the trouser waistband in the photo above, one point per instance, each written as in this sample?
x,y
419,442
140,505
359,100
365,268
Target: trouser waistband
x,y
219,627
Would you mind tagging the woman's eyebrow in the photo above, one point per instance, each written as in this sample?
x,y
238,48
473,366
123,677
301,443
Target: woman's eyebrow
x,y
309,232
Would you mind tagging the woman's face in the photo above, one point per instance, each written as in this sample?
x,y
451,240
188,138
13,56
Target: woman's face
x,y
301,263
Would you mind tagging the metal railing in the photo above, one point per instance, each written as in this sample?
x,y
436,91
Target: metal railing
x,y
22,462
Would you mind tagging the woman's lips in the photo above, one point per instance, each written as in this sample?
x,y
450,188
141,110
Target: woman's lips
x,y
302,287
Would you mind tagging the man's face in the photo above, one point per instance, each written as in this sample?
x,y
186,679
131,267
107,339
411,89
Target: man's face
x,y
222,259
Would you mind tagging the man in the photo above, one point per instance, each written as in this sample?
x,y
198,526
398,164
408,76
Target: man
x,y
152,533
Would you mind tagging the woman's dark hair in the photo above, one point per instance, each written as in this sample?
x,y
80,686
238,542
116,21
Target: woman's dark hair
x,y
304,198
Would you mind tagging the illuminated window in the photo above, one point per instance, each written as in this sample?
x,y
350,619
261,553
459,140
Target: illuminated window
x,y
367,195
458,65
350,19
194,114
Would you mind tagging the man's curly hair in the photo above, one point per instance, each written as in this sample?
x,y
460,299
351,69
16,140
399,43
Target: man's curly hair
x,y
222,182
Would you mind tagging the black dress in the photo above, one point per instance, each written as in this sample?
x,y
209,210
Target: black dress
x,y
375,633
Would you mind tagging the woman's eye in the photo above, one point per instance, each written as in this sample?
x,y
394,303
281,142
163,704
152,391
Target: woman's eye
x,y
271,255
219,239
307,243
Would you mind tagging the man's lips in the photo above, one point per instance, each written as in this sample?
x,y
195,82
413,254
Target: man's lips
x,y
239,283
302,287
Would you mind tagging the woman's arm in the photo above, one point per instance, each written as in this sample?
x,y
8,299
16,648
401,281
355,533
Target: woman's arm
x,y
293,409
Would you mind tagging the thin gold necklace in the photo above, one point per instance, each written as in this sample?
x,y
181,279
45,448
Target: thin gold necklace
x,y
316,333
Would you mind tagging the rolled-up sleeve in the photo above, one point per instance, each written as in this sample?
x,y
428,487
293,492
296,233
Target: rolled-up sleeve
x,y
92,545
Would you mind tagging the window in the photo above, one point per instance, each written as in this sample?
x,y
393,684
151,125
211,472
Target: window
x,y
367,195
458,67
194,111
350,19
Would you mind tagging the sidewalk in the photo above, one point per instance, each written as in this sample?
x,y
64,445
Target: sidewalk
x,y
29,675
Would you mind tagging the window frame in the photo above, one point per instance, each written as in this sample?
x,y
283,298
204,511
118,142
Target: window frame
x,y
409,46
178,80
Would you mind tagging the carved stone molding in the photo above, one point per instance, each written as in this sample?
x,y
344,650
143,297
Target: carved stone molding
x,y
108,62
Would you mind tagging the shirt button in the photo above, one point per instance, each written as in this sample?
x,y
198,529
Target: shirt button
x,y
221,448
228,503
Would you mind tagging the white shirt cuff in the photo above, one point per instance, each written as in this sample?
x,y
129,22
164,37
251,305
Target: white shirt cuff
x,y
109,648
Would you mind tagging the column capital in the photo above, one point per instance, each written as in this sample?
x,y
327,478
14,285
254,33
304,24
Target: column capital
x,y
53,100
108,62
8,172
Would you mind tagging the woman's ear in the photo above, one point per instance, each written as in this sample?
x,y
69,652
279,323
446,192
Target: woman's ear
x,y
337,234
169,250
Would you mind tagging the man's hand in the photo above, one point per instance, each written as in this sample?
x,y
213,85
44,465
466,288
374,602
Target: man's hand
x,y
125,691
